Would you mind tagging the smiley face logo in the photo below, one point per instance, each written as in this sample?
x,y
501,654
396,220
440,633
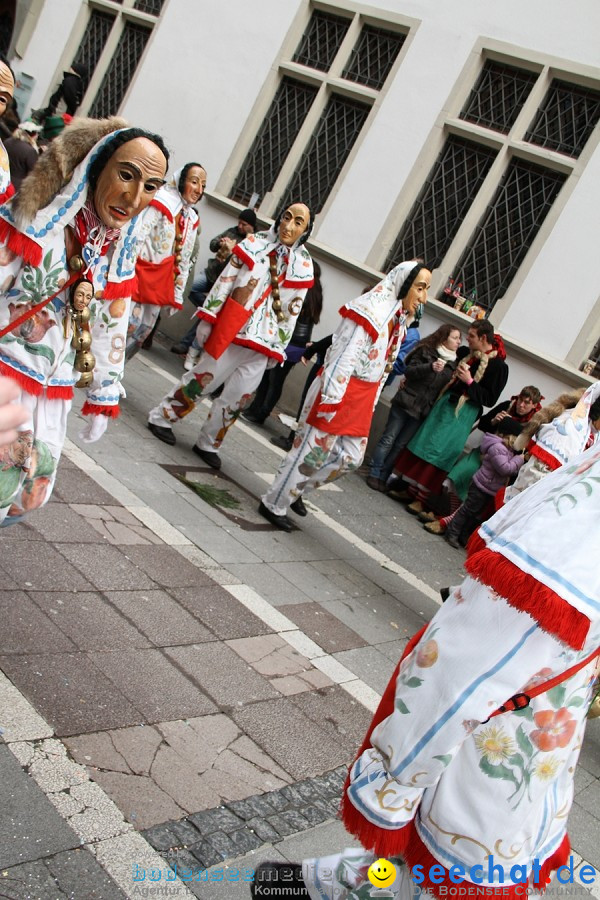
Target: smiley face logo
x,y
382,873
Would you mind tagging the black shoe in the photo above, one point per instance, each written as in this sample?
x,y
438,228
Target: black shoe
x,y
147,345
279,521
284,442
444,593
452,540
273,878
211,459
299,507
179,349
163,434
250,417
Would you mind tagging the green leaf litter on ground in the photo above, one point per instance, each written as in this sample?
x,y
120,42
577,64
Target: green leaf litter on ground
x,y
210,494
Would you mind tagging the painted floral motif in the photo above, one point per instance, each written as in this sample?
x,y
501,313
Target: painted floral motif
x,y
555,729
547,768
494,745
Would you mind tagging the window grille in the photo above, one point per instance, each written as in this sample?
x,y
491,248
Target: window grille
x,y
154,7
93,40
275,137
507,230
594,358
121,70
373,56
498,97
447,194
566,118
326,153
321,40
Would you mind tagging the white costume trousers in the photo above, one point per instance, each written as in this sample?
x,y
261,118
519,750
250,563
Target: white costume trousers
x,y
316,458
239,369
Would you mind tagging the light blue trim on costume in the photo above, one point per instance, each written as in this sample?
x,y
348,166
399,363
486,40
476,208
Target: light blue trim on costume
x,y
15,364
109,401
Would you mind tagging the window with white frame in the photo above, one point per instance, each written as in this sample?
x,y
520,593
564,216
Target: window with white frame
x,y
496,158
323,98
111,47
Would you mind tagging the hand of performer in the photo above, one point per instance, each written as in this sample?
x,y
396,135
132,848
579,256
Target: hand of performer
x,y
202,332
94,428
11,414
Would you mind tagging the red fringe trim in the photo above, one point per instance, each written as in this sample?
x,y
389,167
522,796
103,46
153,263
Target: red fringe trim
x,y
205,315
544,456
499,498
475,543
272,354
245,258
116,289
60,392
527,594
8,193
346,313
163,209
20,244
94,409
298,284
30,385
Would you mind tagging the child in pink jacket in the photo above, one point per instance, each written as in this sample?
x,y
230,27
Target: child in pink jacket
x,y
499,463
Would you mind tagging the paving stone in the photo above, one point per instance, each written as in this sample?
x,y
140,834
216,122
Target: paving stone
x,y
161,837
311,680
269,583
139,798
79,875
206,854
221,612
30,827
323,628
30,880
342,717
107,568
25,629
167,567
245,840
283,826
164,621
59,523
262,828
70,692
584,832
123,535
90,621
185,832
290,738
219,819
151,682
253,806
45,569
137,746
314,815
222,674
589,799
20,531
74,486
97,751
277,800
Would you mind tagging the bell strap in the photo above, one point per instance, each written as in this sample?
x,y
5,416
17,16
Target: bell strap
x,y
29,313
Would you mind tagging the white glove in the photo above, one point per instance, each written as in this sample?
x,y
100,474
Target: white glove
x,y
94,428
202,331
172,310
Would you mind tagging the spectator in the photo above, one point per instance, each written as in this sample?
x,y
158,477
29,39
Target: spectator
x,y
271,386
499,462
7,87
429,366
222,246
70,90
477,382
23,151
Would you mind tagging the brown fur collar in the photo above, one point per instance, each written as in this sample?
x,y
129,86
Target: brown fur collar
x,y
547,414
55,166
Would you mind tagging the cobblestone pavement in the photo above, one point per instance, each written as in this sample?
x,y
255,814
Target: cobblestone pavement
x,y
182,682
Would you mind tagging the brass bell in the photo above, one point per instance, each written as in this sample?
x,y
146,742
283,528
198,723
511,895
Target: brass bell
x,y
84,315
85,380
76,264
85,361
82,341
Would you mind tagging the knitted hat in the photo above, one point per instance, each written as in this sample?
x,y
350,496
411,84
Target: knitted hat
x,y
53,125
509,426
249,216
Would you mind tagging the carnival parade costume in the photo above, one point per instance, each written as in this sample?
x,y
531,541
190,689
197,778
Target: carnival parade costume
x,y
39,259
169,229
337,414
246,324
436,781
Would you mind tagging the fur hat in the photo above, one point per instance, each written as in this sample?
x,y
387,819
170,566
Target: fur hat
x,y
55,166
547,414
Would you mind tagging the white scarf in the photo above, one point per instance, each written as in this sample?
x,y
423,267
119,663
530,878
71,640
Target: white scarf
x,y
446,354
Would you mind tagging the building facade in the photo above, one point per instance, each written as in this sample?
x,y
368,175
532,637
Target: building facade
x,y
464,133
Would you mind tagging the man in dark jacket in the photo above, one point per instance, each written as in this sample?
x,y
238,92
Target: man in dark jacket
x,y
70,90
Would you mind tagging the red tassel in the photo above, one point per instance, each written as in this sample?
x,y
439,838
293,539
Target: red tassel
x,y
527,594
94,409
544,456
20,244
8,193
29,385
265,351
245,258
114,290
60,392
346,313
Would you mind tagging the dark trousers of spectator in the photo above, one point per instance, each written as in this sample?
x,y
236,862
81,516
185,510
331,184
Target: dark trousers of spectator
x,y
269,391
469,515
197,296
